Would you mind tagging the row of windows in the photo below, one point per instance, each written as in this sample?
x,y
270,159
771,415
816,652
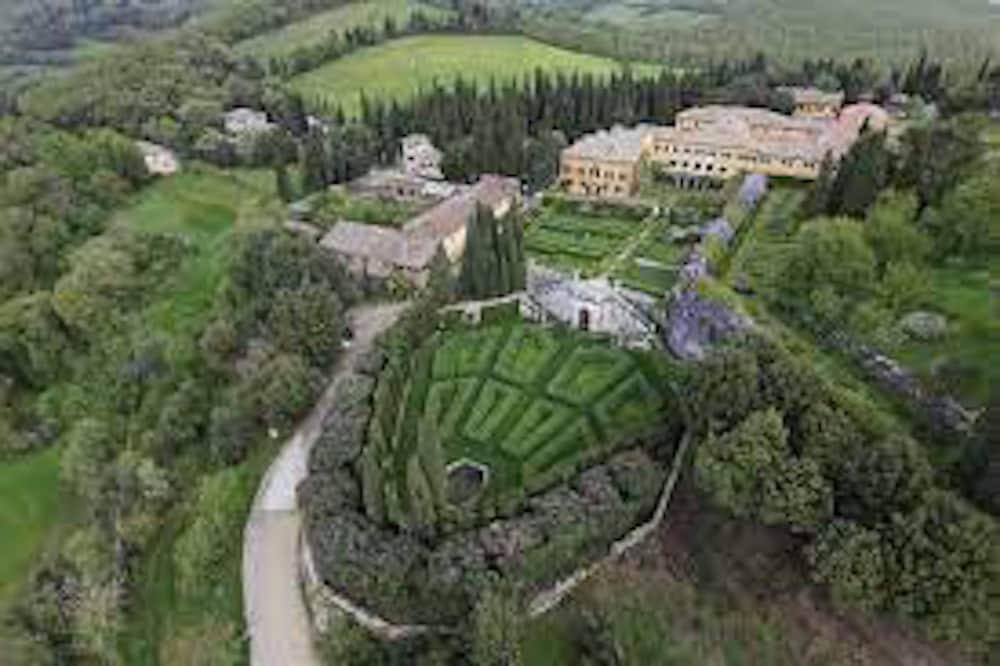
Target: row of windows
x,y
753,159
595,172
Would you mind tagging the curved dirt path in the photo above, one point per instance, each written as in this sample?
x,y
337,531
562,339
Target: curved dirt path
x,y
277,621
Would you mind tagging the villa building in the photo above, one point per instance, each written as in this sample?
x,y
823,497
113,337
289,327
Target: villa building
x,y
714,143
604,164
815,103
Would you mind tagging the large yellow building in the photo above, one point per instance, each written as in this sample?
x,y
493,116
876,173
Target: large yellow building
x,y
604,164
713,143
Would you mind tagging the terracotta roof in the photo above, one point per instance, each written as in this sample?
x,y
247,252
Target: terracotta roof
x,y
384,244
415,244
618,144
451,215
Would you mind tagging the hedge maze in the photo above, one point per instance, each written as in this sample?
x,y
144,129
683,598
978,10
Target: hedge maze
x,y
531,404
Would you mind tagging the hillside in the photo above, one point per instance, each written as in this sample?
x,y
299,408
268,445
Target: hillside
x,y
400,68
793,29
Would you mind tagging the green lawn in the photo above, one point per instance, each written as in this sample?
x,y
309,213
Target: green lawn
x,y
529,402
205,206
30,510
967,361
316,28
578,241
761,248
399,69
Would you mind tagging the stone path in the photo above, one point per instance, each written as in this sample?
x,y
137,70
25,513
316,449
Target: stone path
x,y
277,621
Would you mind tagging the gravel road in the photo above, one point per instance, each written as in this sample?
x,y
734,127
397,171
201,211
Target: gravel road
x,y
276,616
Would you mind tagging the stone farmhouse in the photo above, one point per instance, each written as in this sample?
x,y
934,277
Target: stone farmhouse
x,y
380,252
159,160
712,144
244,122
420,158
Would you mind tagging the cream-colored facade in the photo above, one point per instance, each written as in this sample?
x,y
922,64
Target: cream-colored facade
x,y
713,143
815,103
604,164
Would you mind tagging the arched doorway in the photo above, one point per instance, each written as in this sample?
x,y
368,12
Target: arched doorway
x,y
584,319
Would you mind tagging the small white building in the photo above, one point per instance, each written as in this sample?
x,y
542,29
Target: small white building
x,y
160,160
593,305
244,121
420,157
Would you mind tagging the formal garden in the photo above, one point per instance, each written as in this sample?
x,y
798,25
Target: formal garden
x,y
640,246
462,453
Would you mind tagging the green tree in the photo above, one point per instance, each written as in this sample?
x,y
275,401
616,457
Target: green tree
x,y
862,174
892,232
90,447
945,567
726,389
884,477
935,156
308,321
968,221
830,254
497,629
795,494
733,468
851,561
283,184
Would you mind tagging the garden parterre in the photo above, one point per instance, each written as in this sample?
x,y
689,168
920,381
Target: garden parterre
x,y
530,403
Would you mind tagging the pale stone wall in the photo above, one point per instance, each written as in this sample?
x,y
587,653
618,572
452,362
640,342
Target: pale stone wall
x,y
604,178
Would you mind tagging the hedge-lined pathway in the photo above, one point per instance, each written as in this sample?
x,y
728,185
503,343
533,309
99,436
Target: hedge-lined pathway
x,y
278,624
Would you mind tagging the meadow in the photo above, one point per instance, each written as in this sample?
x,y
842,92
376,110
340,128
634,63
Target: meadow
x,y
318,27
401,68
30,512
205,206
762,248
533,403
966,362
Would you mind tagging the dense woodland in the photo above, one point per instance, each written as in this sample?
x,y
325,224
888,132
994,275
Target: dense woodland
x,y
152,420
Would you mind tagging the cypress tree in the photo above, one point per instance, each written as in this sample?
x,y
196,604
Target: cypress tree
x,y
283,183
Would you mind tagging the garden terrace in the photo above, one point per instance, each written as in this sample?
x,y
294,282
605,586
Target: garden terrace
x,y
337,205
507,448
528,403
574,238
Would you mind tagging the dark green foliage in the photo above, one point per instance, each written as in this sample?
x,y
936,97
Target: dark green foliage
x,y
750,471
934,157
982,464
309,321
493,264
862,173
945,566
851,561
878,479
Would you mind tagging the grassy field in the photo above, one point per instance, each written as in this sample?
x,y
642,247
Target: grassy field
x,y
967,361
30,509
316,28
962,31
399,69
205,206
529,402
762,249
